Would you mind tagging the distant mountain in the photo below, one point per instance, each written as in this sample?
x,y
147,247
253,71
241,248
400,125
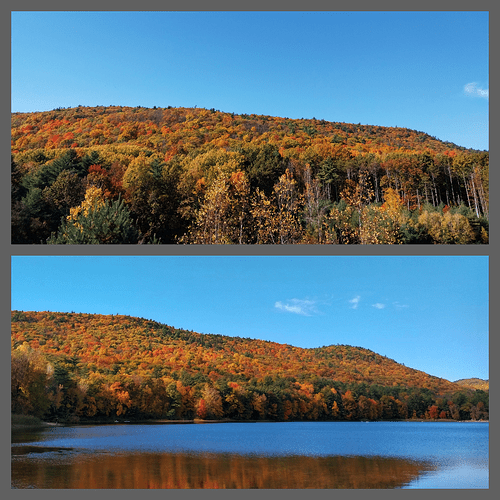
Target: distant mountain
x,y
111,365
169,175
474,383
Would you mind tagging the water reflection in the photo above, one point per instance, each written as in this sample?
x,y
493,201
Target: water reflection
x,y
254,455
60,468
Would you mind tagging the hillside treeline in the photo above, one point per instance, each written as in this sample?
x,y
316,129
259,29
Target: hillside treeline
x,y
180,175
79,367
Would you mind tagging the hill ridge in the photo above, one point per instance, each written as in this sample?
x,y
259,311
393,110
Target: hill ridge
x,y
186,114
213,340
94,366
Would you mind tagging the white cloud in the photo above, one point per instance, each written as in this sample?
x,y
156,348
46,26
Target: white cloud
x,y
355,302
297,306
288,307
474,90
378,305
397,305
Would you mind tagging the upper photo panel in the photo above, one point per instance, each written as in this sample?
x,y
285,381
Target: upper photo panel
x,y
249,128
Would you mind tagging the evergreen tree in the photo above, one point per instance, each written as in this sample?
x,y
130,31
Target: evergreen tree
x,y
109,223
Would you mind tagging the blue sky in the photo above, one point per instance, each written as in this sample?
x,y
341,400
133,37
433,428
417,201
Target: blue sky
x,y
421,70
430,313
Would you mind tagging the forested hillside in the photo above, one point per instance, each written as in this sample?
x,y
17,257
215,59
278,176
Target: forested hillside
x,y
474,383
180,175
72,367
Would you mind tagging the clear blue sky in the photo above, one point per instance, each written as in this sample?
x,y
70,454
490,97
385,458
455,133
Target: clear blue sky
x,y
421,70
430,313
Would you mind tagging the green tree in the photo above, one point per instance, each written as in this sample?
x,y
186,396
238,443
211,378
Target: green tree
x,y
109,223
153,198
30,218
49,172
263,165
65,192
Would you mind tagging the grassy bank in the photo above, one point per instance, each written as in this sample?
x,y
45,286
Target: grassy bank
x,y
25,422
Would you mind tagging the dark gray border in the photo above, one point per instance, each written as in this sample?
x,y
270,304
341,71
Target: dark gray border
x,y
8,249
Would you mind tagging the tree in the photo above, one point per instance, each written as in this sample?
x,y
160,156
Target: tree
x,y
447,228
342,225
350,406
315,208
153,198
335,410
120,397
263,213
454,410
224,214
258,405
65,192
333,168
47,174
29,219
213,402
263,165
367,408
352,222
29,382
289,203
433,412
201,409
96,221
235,403
17,191
187,403
277,219
389,407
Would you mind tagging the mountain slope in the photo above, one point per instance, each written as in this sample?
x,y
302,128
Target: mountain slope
x,y
106,341
172,169
115,365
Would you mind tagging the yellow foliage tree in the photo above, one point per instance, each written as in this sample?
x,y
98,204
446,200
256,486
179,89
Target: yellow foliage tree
x,y
448,228
277,219
223,218
94,199
213,402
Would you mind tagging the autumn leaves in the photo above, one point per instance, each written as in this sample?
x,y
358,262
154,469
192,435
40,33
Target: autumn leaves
x,y
230,214
80,366
201,176
74,368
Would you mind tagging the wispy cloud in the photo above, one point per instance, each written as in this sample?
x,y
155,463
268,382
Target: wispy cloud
x,y
378,305
397,305
355,302
304,307
473,89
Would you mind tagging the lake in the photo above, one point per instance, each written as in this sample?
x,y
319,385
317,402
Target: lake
x,y
254,455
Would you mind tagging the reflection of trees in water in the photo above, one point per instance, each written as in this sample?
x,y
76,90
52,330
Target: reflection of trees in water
x,y
148,470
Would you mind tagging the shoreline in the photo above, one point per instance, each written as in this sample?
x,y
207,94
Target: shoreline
x,y
44,424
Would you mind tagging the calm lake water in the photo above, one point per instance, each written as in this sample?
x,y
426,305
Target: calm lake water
x,y
254,455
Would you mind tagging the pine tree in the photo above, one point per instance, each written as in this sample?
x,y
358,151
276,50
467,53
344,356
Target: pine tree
x,y
108,223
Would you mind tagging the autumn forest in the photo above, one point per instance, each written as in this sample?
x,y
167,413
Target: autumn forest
x,y
96,175
73,367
